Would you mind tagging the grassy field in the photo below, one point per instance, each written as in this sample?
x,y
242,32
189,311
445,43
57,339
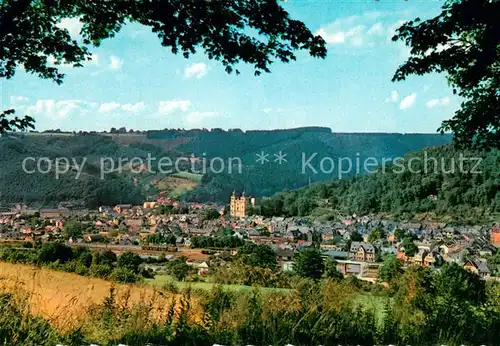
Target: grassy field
x,y
180,190
64,298
179,183
51,134
367,300
160,280
188,175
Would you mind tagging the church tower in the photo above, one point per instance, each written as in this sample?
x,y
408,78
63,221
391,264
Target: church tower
x,y
239,206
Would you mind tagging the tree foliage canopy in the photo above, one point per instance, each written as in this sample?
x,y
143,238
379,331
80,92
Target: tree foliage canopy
x,y
73,230
309,263
464,42
129,261
256,32
390,268
221,28
257,255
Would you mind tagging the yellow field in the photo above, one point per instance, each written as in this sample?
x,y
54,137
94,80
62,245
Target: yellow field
x,y
64,298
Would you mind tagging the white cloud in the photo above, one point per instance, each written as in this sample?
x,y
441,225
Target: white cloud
x,y
17,100
168,107
355,35
73,25
408,101
65,108
51,60
43,106
391,30
333,38
376,29
67,114
56,110
273,110
198,70
115,62
394,97
437,102
373,15
198,117
94,61
127,107
108,107
134,108
355,30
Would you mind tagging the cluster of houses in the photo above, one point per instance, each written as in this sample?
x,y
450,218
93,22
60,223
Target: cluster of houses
x,y
123,224
347,241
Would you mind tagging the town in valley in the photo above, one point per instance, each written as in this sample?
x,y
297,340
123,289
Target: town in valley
x,y
171,228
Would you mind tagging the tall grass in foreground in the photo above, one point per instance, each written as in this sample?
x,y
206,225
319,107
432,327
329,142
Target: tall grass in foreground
x,y
19,327
312,313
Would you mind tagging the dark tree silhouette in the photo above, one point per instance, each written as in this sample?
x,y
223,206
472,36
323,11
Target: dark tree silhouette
x,y
463,42
255,32
16,123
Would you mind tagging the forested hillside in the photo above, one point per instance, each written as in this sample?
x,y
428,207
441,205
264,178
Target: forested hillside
x,y
245,144
298,145
417,184
43,189
128,187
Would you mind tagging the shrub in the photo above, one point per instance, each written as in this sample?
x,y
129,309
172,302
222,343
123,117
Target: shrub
x,y
100,270
28,245
170,286
51,252
81,269
129,261
19,256
83,255
69,267
146,273
124,275
56,265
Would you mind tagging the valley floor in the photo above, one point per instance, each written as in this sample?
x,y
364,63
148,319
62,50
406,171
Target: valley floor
x,y
161,280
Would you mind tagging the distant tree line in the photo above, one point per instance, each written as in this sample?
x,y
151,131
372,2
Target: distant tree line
x,y
229,242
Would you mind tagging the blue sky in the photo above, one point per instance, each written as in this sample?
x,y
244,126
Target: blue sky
x,y
134,82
